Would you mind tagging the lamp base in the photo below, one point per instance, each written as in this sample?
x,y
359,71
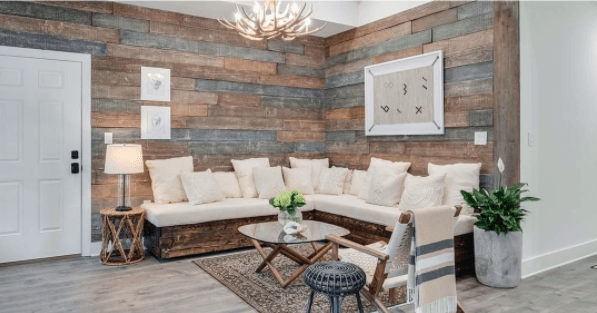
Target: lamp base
x,y
123,208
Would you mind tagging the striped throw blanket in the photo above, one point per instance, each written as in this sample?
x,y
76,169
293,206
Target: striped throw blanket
x,y
431,280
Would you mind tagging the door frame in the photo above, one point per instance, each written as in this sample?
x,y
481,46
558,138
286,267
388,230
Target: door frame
x,y
85,60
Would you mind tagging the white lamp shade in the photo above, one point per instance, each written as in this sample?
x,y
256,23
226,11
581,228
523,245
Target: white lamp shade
x,y
124,159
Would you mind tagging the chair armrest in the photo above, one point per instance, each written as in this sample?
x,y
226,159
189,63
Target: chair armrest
x,y
345,242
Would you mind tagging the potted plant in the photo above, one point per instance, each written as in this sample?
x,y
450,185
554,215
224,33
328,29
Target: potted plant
x,y
497,232
288,202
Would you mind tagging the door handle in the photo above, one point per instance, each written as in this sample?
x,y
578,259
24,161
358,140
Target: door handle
x,y
74,168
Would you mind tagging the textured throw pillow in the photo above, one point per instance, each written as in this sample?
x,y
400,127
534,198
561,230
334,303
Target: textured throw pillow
x,y
244,172
458,177
228,184
422,192
201,187
268,181
386,188
357,182
298,179
331,181
393,167
347,181
165,179
316,166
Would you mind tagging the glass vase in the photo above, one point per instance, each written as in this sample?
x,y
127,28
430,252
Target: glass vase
x,y
284,217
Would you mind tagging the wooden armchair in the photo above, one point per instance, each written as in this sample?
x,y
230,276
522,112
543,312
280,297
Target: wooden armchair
x,y
386,264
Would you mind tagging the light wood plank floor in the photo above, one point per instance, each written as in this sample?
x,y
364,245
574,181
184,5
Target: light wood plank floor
x,y
83,285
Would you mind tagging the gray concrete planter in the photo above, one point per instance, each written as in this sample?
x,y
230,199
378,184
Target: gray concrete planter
x,y
498,258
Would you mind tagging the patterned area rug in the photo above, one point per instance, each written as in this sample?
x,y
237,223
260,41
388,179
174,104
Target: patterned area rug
x,y
263,292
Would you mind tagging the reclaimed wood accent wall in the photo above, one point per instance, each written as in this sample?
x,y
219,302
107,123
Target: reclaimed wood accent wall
x,y
464,31
231,97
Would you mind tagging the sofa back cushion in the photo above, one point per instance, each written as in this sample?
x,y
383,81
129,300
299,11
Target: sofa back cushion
x,y
268,181
165,179
459,177
357,181
422,192
200,187
316,166
228,183
394,167
331,181
347,181
244,172
386,188
299,179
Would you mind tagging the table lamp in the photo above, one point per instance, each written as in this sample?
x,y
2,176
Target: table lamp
x,y
124,160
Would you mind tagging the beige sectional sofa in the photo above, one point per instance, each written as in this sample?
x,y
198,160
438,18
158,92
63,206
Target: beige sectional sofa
x,y
176,228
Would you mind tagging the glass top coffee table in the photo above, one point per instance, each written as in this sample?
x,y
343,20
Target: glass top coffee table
x,y
272,235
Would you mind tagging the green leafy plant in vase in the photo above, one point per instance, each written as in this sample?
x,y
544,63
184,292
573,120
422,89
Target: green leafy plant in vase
x,y
497,232
289,203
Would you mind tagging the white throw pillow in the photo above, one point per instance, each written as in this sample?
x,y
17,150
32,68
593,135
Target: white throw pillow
x,y
244,172
165,179
357,182
298,179
316,166
228,183
422,192
347,181
331,181
393,167
201,187
458,177
386,188
268,181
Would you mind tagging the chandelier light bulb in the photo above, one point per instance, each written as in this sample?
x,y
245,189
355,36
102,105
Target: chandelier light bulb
x,y
308,21
256,8
237,16
295,7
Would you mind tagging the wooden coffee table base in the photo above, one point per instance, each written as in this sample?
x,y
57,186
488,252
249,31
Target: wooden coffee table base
x,y
290,253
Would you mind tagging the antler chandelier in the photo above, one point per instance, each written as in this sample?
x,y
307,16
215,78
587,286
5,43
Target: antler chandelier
x,y
268,22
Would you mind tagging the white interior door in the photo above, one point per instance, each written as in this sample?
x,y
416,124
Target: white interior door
x,y
40,124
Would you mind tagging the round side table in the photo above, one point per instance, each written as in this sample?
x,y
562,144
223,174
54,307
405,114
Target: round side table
x,y
335,280
121,236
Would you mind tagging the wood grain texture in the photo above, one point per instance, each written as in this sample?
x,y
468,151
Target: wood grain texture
x,y
370,39
507,88
430,21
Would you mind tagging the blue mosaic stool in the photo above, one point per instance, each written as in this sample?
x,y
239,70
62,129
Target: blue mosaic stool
x,y
335,280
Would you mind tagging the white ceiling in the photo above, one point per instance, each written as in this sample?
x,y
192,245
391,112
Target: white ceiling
x,y
339,15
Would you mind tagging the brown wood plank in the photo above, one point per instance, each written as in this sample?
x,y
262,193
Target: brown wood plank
x,y
507,89
436,19
457,44
372,39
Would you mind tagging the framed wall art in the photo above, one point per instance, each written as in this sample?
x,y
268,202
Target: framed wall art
x,y
155,122
405,97
155,84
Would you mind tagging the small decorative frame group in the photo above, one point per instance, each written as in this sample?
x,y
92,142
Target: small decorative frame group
x,y
405,97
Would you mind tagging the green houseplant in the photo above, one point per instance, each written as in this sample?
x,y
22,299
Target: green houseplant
x,y
289,203
497,232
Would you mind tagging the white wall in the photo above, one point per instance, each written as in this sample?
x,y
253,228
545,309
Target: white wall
x,y
373,10
558,47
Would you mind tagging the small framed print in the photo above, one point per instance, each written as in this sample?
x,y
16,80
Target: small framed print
x,y
405,97
155,84
155,122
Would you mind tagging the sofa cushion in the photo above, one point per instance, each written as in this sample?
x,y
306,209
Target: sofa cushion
x,y
381,164
459,177
269,181
347,181
244,172
353,207
228,183
200,187
356,182
422,192
331,181
386,188
299,179
165,179
315,164
185,214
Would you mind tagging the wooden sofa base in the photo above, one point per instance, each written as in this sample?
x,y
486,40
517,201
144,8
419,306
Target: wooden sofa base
x,y
184,240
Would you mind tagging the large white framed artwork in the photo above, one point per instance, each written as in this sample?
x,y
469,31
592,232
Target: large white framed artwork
x,y
405,97
155,122
155,84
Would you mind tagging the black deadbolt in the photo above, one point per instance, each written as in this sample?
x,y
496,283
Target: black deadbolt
x,y
74,154
74,168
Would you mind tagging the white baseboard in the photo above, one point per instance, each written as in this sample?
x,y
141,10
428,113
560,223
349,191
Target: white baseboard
x,y
548,261
96,248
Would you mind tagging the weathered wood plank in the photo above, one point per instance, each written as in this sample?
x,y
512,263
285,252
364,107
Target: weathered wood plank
x,y
43,11
238,100
483,54
475,8
468,88
166,56
91,6
370,39
295,103
337,103
46,42
456,119
507,88
119,22
300,71
466,42
304,60
345,79
481,118
463,27
300,136
468,103
436,19
293,81
345,114
256,89
144,13
468,72
285,46
250,65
